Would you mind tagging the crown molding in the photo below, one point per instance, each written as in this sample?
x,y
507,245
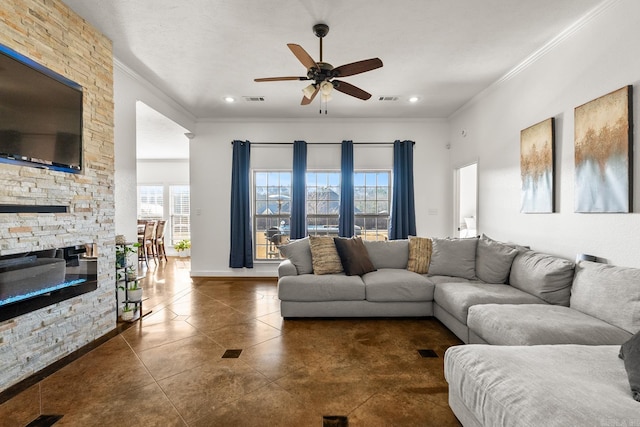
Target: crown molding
x,y
153,89
322,121
535,56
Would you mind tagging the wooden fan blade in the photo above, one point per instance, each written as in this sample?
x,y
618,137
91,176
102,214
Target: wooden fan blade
x,y
302,56
350,89
277,79
307,101
357,67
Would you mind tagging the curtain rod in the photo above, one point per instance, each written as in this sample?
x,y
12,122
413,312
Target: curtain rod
x,y
321,143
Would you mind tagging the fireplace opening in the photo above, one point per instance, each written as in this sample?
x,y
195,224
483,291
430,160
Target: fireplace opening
x,y
33,280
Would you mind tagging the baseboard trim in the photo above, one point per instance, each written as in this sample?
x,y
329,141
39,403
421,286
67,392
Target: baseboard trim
x,y
239,274
21,386
200,279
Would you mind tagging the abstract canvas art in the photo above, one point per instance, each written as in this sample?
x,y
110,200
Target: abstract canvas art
x,y
603,148
537,147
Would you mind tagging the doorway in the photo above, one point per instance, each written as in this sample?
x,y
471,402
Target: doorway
x,y
465,220
162,174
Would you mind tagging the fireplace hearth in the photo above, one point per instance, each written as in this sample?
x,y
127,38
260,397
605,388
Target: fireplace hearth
x,y
33,280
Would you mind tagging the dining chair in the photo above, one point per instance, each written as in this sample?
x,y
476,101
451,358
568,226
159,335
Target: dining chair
x,y
158,241
146,243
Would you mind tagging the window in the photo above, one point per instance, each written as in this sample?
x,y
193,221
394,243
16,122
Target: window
x,y
179,213
272,212
272,207
323,203
372,202
150,202
151,206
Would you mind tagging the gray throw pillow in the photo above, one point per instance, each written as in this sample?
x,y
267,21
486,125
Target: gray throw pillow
x,y
546,276
609,293
630,353
299,253
454,257
388,254
493,260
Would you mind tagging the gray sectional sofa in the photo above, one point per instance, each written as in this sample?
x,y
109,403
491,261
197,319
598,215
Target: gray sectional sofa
x,y
390,291
551,365
462,273
547,331
563,385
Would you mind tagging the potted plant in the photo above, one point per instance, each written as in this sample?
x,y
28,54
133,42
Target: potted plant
x,y
124,251
132,274
127,312
183,247
134,292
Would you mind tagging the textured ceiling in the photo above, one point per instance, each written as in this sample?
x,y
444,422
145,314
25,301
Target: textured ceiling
x,y
443,51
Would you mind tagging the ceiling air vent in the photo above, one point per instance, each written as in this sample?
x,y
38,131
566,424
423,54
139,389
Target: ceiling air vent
x,y
254,98
388,98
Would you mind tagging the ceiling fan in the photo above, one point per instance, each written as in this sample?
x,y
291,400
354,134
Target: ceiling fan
x,y
323,75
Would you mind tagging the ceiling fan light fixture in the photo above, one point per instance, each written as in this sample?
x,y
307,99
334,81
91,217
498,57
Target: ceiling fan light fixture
x,y
326,88
322,73
309,90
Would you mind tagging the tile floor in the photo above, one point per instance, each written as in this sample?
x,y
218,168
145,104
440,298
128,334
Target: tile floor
x,y
168,369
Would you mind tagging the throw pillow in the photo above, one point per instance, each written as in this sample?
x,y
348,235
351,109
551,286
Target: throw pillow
x,y
607,292
324,255
493,260
388,254
630,353
419,254
545,276
299,253
454,257
354,256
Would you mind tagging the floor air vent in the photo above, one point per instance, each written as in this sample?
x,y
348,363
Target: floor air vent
x,y
44,421
427,353
335,421
231,354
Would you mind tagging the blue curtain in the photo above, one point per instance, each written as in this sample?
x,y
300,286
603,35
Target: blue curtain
x,y
402,223
298,225
346,225
241,254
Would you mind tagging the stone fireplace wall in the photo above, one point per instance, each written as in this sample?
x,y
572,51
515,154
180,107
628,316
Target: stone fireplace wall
x,y
50,33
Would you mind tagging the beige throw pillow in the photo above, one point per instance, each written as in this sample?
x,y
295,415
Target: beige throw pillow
x,y
324,255
419,254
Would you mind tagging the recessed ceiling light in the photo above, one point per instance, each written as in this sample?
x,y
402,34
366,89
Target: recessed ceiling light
x,y
229,99
414,99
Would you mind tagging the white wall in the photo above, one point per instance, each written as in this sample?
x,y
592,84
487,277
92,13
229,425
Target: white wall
x,y
210,168
596,59
129,88
163,172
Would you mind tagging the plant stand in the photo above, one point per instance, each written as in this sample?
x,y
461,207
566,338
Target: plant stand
x,y
126,275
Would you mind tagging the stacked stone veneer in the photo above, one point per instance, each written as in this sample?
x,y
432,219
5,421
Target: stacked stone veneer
x,y
48,32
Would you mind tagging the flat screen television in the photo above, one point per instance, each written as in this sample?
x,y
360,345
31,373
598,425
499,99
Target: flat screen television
x,y
40,115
